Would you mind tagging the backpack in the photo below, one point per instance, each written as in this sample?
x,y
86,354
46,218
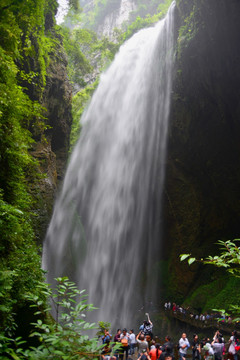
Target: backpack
x,y
124,342
210,351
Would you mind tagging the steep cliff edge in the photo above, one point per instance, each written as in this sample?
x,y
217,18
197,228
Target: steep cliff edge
x,y
203,168
51,149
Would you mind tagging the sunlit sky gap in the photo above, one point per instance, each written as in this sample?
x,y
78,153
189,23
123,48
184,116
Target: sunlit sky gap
x,y
62,11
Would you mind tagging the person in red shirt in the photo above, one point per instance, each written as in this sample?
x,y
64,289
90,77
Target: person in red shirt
x,y
155,352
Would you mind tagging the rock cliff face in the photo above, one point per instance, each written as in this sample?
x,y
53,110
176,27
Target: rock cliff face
x,y
116,18
203,167
51,149
113,14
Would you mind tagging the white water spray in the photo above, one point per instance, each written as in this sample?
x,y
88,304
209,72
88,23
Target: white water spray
x,y
105,232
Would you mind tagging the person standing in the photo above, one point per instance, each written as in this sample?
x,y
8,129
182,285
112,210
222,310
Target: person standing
x,y
106,337
124,339
116,339
142,344
155,352
218,346
144,356
168,344
106,353
132,339
183,346
148,327
196,348
232,341
218,335
208,352
117,336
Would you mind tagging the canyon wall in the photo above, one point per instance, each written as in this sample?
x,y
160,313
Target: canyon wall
x,y
202,188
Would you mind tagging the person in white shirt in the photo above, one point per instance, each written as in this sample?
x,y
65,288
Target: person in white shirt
x,y
183,346
232,342
218,346
132,339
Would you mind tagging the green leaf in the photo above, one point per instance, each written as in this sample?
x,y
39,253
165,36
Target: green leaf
x,y
184,256
236,319
191,261
58,352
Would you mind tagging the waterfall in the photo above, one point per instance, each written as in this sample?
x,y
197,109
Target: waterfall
x,y
105,232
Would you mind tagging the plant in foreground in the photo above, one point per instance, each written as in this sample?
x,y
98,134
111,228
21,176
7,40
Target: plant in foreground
x,y
62,335
228,259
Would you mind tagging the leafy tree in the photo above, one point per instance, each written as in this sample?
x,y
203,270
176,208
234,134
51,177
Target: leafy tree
x,y
74,4
63,335
229,259
78,63
102,325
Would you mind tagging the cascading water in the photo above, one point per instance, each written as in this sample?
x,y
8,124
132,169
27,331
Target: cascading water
x,y
105,232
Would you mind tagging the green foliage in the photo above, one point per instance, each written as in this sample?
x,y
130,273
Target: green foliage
x,y
16,109
191,260
80,100
65,335
107,50
6,301
102,325
17,249
78,64
191,19
22,41
147,21
184,257
88,56
11,348
23,33
25,46
86,53
20,267
187,31
83,48
229,257
74,4
221,290
144,8
92,19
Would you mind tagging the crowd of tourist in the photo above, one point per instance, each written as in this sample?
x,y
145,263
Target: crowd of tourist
x,y
193,315
144,346
214,349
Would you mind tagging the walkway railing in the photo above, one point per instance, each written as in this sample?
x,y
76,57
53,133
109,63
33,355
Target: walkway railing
x,y
203,324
